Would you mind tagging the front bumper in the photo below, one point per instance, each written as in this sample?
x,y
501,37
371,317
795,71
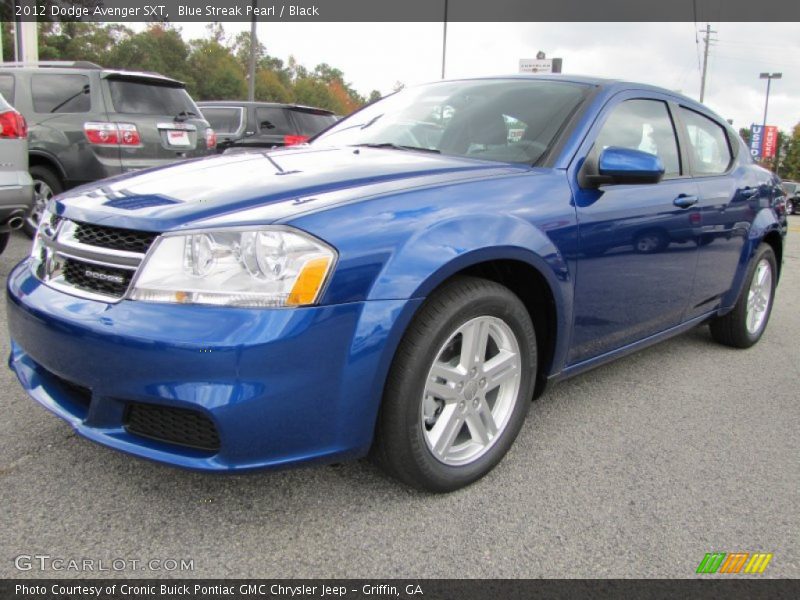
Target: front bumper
x,y
280,386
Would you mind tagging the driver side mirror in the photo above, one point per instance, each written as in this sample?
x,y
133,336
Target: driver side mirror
x,y
619,166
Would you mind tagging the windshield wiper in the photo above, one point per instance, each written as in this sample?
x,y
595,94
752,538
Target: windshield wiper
x,y
391,146
181,116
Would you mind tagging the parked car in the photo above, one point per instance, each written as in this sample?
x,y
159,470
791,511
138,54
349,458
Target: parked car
x,y
792,191
404,284
16,188
248,125
87,123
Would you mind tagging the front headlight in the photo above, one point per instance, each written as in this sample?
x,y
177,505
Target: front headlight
x,y
268,267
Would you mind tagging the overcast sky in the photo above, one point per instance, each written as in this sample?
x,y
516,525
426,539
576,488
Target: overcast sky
x,y
376,55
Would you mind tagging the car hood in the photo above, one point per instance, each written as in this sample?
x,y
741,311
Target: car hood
x,y
261,187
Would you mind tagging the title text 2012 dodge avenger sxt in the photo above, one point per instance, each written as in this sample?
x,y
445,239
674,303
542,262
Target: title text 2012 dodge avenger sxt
x,y
404,284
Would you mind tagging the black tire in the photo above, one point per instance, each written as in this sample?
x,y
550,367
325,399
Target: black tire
x,y
4,237
40,175
650,242
731,329
400,446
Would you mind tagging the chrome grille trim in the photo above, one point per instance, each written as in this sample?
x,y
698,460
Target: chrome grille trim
x,y
58,245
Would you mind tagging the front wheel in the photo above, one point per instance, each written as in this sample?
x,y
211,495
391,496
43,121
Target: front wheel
x,y
745,324
459,388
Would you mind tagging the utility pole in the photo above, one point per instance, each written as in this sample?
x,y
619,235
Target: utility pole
x,y
707,40
251,84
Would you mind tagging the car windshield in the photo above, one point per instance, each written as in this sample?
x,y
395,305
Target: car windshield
x,y
146,98
511,120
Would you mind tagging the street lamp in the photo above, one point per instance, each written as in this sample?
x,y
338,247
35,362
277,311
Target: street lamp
x,y
769,77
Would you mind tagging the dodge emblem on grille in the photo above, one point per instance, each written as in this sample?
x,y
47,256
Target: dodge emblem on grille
x,y
103,276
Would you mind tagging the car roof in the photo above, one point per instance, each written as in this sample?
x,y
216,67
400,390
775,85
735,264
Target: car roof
x,y
83,68
608,86
244,103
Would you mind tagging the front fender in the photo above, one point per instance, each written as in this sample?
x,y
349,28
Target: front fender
x,y
429,257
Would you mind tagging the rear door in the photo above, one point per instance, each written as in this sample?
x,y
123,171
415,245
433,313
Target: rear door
x,y
729,199
169,124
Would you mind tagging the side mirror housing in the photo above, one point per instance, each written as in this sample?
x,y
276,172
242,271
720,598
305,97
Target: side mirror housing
x,y
625,165
619,166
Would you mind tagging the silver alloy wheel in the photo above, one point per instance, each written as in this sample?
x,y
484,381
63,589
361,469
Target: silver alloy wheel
x,y
471,390
759,296
41,196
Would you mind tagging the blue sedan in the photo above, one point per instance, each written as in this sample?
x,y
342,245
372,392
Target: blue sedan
x,y
401,286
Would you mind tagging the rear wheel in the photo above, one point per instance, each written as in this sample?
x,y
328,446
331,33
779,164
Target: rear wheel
x,y
4,237
459,388
46,184
745,324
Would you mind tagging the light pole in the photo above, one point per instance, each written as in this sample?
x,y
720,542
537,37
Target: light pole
x,y
444,39
769,77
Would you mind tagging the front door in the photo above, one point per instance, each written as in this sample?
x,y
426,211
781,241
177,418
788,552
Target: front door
x,y
637,252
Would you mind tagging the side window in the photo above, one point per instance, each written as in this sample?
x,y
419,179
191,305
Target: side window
x,y
643,125
272,121
709,143
60,93
7,88
223,119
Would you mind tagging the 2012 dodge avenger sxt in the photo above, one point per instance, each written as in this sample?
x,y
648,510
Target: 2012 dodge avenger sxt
x,y
403,285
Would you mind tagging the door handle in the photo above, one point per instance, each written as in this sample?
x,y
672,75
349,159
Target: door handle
x,y
684,201
749,192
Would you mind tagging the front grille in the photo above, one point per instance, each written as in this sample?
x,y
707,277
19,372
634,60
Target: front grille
x,y
179,426
90,261
114,238
110,281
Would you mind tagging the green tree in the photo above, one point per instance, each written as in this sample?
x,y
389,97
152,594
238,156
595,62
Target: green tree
x,y
215,73
374,96
313,92
270,88
159,48
790,167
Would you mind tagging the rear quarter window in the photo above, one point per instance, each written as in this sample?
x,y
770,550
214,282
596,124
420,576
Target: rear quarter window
x,y
709,143
309,123
145,98
57,93
273,121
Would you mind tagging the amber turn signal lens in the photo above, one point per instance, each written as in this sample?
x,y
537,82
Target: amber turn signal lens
x,y
309,282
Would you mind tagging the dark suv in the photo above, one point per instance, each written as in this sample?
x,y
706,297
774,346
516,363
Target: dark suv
x,y
87,123
792,191
264,124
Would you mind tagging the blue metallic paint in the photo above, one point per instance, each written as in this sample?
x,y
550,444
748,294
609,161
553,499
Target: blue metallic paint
x,y
293,385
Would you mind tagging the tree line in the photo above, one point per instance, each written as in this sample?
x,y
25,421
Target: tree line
x,y
214,67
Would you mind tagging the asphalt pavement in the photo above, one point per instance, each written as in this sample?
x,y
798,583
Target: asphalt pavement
x,y
636,469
